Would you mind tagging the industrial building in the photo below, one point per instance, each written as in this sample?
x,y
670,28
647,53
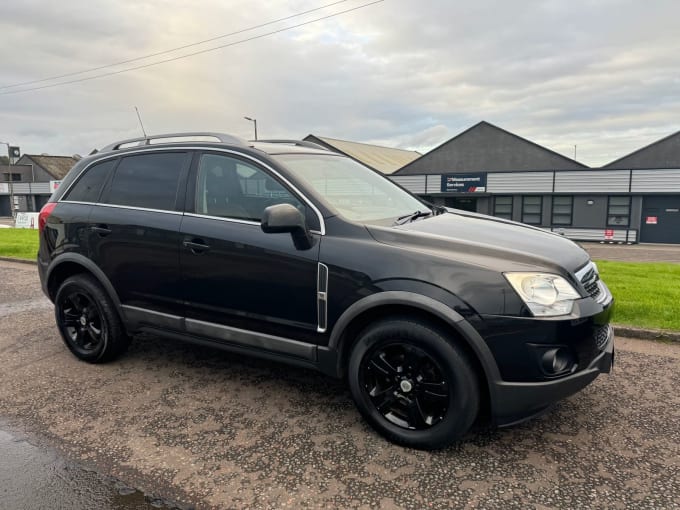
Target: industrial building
x,y
30,180
492,171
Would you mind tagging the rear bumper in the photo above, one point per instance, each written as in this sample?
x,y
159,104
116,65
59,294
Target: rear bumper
x,y
42,273
519,401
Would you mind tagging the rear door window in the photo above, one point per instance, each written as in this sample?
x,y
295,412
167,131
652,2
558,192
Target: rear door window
x,y
149,181
88,187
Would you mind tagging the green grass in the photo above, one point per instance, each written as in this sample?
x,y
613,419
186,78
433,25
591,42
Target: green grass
x,y
647,294
19,243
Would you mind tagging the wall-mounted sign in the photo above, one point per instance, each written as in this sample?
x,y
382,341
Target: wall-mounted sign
x,y
464,183
54,185
672,210
651,220
608,235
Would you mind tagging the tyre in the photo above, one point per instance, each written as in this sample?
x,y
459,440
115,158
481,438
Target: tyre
x,y
412,384
88,321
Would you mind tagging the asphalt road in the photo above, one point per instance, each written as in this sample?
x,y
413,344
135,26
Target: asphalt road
x,y
213,430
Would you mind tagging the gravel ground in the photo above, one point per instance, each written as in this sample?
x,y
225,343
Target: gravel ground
x,y
214,430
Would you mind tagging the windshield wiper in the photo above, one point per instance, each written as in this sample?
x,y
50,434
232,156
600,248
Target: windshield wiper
x,y
407,218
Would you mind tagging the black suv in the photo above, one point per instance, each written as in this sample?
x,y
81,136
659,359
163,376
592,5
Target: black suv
x,y
437,318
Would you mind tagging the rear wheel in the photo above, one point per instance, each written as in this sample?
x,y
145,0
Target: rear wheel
x,y
88,321
412,384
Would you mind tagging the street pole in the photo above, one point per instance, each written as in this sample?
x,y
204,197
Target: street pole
x,y
254,121
9,180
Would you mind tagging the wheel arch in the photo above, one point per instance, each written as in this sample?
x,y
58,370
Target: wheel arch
x,y
70,264
401,303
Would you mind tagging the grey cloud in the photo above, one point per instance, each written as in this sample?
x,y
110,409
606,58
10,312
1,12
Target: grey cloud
x,y
602,75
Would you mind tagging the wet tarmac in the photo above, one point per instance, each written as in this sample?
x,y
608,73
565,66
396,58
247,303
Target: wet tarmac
x,y
35,478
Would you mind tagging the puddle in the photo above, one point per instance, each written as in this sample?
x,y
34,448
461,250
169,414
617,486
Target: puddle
x,y
33,478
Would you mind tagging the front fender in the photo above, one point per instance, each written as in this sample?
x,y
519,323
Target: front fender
x,y
331,355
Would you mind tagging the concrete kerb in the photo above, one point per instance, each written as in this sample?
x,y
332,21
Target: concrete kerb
x,y
20,261
625,331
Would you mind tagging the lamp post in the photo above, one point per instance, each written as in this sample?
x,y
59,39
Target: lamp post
x,y
254,121
9,179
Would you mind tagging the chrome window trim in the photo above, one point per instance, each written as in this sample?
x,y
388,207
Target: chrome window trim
x,y
223,218
135,208
146,150
233,220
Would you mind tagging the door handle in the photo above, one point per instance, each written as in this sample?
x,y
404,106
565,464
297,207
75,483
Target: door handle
x,y
196,245
102,230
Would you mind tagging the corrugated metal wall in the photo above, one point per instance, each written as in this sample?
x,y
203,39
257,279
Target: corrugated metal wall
x,y
520,182
607,181
413,183
28,188
644,181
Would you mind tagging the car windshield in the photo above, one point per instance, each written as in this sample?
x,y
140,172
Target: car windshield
x,y
356,192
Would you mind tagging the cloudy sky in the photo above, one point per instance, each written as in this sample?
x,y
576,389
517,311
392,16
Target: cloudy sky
x,y
600,74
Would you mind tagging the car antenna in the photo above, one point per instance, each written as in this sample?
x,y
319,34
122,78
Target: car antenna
x,y
140,122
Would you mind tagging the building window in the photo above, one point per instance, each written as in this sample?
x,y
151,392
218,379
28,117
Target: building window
x,y
532,207
15,177
502,207
618,212
562,208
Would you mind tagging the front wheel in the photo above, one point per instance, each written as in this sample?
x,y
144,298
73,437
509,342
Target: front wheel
x,y
412,384
88,321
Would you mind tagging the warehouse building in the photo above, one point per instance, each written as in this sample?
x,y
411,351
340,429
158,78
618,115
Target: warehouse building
x,y
492,171
30,180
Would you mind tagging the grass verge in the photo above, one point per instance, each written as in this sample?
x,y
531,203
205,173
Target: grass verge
x,y
18,243
647,294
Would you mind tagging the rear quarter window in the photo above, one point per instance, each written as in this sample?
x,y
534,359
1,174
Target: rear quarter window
x,y
89,185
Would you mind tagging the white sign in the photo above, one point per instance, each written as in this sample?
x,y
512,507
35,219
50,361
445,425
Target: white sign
x,y
4,187
26,220
54,185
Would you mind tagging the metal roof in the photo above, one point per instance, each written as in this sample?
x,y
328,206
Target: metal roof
x,y
56,166
383,159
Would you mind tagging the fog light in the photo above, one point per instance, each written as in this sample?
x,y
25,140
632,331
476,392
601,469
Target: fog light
x,y
557,360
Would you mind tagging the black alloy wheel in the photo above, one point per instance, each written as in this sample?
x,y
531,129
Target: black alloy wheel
x,y
88,320
413,383
406,386
82,320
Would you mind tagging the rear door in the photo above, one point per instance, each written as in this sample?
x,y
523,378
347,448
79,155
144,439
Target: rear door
x,y
134,233
234,274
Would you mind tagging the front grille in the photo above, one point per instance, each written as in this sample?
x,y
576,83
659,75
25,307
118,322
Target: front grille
x,y
590,283
601,336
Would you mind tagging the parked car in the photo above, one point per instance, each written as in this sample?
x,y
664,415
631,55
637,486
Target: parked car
x,y
437,318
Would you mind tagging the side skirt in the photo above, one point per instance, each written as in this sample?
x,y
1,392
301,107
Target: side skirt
x,y
227,338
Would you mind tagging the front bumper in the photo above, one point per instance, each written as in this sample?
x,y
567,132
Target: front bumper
x,y
518,401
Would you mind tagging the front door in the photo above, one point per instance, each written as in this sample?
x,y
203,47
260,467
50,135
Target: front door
x,y
234,275
660,220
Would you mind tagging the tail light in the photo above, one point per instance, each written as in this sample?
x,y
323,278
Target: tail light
x,y
44,214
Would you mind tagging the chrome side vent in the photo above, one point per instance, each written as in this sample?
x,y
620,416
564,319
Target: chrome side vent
x,y
322,297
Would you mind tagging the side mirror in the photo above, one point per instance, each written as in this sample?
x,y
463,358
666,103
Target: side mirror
x,y
281,218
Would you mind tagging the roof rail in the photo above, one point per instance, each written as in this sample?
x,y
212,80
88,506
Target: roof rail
x,y
299,143
174,138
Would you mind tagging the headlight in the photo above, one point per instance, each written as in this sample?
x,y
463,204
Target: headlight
x,y
546,295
